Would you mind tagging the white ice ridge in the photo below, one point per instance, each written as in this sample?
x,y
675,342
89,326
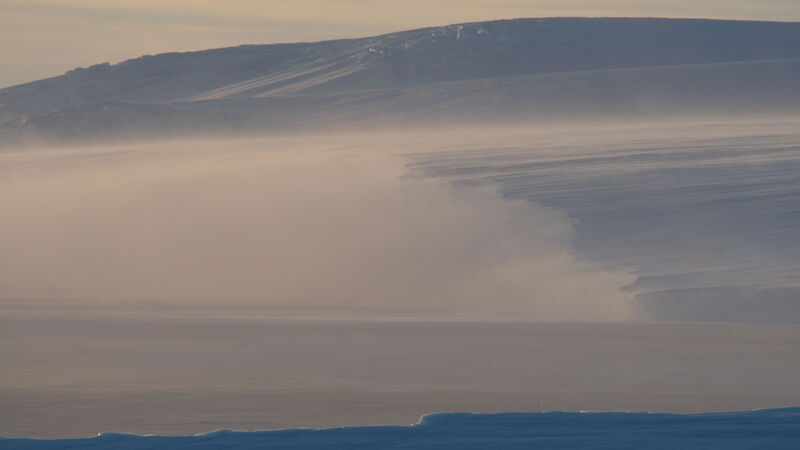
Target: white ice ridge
x,y
763,429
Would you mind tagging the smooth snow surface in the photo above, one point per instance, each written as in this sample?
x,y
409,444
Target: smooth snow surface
x,y
765,429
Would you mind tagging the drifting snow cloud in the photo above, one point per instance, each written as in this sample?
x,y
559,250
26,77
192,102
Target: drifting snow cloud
x,y
288,225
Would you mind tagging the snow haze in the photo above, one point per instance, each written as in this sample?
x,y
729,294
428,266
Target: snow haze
x,y
688,222
298,225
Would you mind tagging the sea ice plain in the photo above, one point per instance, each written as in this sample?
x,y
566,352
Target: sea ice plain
x,y
79,373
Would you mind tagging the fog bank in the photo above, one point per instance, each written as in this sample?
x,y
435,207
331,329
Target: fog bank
x,y
287,226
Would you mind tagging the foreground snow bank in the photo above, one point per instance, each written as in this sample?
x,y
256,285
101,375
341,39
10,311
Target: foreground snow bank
x,y
774,428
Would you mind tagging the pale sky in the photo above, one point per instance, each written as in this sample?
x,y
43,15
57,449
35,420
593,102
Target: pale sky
x,y
42,38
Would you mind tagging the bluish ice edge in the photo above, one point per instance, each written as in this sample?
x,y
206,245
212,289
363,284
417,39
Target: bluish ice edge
x,y
762,429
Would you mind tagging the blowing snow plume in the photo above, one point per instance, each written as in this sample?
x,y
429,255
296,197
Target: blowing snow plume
x,y
289,225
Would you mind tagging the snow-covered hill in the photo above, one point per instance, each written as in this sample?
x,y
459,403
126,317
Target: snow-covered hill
x,y
545,69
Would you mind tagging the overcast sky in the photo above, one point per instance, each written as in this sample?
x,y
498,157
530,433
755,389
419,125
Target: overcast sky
x,y
44,38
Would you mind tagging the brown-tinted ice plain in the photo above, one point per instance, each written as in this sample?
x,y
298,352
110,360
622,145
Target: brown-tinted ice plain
x,y
77,374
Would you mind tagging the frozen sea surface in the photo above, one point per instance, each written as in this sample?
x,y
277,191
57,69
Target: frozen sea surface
x,y
775,428
73,375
